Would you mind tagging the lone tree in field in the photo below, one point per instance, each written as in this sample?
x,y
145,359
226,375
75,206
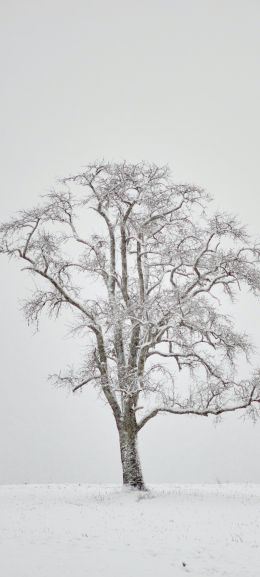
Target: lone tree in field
x,y
156,338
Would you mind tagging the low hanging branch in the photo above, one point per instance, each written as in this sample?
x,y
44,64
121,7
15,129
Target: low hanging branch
x,y
162,264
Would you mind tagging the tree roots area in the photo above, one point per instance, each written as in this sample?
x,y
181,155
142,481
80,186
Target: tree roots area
x,y
106,531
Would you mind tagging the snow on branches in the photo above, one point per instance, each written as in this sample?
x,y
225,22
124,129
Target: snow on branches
x,y
161,263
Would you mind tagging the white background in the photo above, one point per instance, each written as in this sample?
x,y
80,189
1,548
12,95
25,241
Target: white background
x,y
173,82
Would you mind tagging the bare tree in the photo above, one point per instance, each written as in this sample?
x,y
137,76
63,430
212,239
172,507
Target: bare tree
x,y
157,339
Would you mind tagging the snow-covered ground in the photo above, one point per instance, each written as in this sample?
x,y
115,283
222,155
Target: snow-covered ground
x,y
101,531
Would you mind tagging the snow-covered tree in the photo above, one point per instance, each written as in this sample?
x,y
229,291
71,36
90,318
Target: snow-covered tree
x,y
156,339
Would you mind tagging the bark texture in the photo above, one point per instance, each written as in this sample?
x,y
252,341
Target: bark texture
x,y
132,472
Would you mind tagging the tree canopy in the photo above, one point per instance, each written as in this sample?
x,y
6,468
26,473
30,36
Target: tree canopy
x,y
161,261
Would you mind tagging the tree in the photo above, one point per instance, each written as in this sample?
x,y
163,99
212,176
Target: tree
x,y
157,341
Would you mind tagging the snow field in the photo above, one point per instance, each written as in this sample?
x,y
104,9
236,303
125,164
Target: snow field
x,y
104,531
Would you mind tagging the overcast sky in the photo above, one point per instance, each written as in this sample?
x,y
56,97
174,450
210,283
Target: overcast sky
x,y
168,81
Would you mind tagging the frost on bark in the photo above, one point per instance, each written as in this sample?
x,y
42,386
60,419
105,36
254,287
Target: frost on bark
x,y
131,467
157,340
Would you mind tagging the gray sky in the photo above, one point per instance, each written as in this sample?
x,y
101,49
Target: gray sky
x,y
169,81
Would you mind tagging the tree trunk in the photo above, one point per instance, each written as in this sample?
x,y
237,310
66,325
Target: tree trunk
x,y
132,472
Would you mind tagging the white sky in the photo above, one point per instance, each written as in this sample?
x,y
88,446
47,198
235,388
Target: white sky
x,y
166,81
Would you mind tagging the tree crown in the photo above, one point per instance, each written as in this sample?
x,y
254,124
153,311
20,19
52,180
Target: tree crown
x,y
161,263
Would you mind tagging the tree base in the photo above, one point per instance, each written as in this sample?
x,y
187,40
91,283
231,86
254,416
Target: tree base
x,y
135,488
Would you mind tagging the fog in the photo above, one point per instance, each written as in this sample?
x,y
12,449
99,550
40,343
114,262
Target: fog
x,y
165,81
